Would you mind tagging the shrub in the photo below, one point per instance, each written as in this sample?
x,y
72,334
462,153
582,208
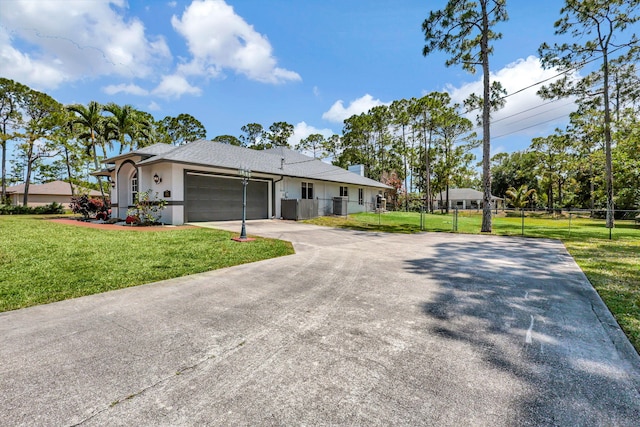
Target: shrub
x,y
86,207
53,208
148,211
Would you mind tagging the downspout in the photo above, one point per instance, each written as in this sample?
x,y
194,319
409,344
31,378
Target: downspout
x,y
273,207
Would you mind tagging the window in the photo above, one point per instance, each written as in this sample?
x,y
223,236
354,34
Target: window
x,y
134,188
361,196
307,190
344,191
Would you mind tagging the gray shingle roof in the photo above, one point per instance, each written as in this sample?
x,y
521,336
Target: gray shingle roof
x,y
276,161
151,150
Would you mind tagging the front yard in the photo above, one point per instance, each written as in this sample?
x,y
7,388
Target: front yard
x,y
42,261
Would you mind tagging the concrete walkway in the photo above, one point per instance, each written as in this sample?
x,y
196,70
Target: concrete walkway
x,y
355,329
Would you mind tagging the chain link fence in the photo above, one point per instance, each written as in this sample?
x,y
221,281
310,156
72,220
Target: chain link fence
x,y
559,223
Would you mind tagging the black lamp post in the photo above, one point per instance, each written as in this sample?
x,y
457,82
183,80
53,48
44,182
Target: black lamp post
x,y
245,174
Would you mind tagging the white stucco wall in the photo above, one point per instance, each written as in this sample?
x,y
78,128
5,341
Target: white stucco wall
x,y
291,188
173,174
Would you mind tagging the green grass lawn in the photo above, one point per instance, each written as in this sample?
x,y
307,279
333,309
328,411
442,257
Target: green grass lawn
x,y
42,261
612,266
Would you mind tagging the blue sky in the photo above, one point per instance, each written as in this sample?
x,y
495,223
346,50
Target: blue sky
x,y
310,63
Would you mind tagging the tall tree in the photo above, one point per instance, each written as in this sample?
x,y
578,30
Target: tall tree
x,y
332,147
464,29
314,143
122,123
253,135
596,27
12,97
90,120
513,170
227,139
553,155
183,129
401,119
43,115
456,140
279,134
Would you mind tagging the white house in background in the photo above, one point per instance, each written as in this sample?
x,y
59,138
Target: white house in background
x,y
465,198
200,181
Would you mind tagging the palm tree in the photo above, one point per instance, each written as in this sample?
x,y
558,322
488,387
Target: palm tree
x,y
520,198
122,122
144,131
91,119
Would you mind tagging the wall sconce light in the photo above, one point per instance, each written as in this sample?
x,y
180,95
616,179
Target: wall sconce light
x,y
157,179
113,184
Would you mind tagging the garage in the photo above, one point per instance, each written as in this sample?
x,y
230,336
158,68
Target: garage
x,y
217,198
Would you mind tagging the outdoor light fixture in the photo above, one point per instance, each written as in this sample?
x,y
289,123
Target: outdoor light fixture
x,y
157,179
245,174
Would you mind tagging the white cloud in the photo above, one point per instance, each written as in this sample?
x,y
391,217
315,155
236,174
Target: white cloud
x,y
525,113
153,106
338,113
125,88
175,86
303,130
172,4
219,39
26,69
72,40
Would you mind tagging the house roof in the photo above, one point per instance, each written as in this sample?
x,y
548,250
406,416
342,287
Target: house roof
x,y
145,152
54,188
463,194
277,161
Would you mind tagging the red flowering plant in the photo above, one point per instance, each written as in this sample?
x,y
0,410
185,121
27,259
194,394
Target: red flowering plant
x,y
87,207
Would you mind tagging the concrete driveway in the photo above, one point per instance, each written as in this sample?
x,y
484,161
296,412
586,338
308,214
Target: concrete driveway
x,y
355,329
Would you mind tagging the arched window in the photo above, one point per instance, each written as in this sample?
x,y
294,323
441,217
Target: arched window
x,y
134,188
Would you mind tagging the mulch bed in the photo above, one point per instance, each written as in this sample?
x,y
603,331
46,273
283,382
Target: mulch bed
x,y
120,227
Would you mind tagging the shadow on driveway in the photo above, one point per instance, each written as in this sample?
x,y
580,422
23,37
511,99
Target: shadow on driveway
x,y
526,310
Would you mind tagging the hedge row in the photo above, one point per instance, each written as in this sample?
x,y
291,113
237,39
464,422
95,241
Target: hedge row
x,y
53,208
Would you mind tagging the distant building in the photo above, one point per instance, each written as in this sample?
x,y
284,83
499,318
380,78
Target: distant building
x,y
45,194
465,198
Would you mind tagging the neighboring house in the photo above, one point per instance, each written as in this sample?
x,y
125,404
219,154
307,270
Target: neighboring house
x,y
465,198
200,181
45,194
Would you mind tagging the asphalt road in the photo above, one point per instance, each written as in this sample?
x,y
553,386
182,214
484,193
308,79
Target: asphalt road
x,y
355,329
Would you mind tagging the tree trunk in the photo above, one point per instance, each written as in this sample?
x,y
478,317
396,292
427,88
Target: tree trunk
x,y
97,165
3,195
30,160
68,162
607,142
406,192
486,128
